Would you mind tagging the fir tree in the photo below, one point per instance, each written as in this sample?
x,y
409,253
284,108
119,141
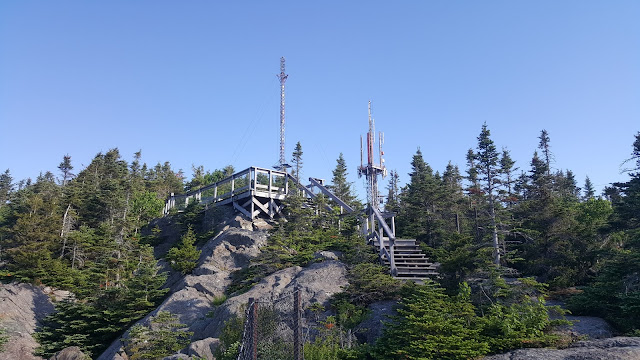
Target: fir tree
x,y
393,202
6,187
339,184
65,168
184,257
296,160
545,147
165,336
589,191
507,170
488,170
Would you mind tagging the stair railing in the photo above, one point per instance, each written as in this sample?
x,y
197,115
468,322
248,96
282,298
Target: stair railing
x,y
383,229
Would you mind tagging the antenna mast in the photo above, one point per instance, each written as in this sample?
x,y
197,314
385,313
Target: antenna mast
x,y
283,77
372,170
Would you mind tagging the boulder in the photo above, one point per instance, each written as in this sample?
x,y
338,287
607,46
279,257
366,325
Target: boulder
x,y
70,353
204,348
617,348
328,255
371,328
583,326
261,225
22,308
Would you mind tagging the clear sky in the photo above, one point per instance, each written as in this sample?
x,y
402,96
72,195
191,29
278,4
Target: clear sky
x,y
194,82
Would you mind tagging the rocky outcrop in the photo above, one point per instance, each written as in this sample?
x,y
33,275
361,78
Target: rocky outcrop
x,y
22,307
317,283
191,297
617,348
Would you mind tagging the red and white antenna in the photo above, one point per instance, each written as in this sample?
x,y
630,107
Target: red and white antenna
x,y
371,170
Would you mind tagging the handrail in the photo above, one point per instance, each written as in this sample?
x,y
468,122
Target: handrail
x,y
305,189
251,185
331,195
392,238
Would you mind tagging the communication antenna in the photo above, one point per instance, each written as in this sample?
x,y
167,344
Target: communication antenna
x,y
371,170
282,164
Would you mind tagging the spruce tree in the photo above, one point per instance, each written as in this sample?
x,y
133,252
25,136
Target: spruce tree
x,y
296,160
393,202
589,191
65,168
6,187
507,170
165,336
487,166
184,257
545,147
339,184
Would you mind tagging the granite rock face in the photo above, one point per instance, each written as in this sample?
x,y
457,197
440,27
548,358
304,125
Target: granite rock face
x,y
617,348
22,308
191,297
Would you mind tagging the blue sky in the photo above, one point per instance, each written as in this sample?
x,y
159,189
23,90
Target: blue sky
x,y
195,82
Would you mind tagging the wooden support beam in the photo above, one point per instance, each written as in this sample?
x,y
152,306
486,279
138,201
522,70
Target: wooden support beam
x,y
241,209
260,205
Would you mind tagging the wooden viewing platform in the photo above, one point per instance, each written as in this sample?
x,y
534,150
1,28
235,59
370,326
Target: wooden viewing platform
x,y
255,191
251,191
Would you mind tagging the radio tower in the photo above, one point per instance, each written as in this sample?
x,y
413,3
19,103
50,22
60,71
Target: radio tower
x,y
372,170
282,165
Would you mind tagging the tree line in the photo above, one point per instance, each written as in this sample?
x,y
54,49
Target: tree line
x,y
534,221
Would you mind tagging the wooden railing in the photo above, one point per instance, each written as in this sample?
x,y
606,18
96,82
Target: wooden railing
x,y
254,181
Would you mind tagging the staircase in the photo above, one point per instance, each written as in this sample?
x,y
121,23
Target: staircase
x,y
411,263
407,261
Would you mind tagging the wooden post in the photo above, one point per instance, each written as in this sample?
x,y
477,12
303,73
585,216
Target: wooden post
x,y
255,179
393,225
297,326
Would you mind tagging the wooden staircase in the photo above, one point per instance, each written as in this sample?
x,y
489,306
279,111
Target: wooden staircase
x,y
411,263
405,261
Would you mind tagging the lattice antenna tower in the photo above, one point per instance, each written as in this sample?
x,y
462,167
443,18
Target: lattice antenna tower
x,y
371,170
282,164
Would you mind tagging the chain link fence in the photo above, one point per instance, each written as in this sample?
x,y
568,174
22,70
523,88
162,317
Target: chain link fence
x,y
273,329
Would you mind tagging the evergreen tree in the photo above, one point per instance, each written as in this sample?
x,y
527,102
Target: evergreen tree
x,y
165,336
545,147
6,187
432,325
488,171
454,202
339,184
615,294
184,257
296,160
393,202
589,192
65,168
568,186
507,170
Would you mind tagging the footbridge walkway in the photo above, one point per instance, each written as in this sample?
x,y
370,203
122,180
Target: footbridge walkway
x,y
258,191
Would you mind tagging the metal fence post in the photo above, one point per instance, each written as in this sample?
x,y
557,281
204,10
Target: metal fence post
x,y
253,320
297,331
